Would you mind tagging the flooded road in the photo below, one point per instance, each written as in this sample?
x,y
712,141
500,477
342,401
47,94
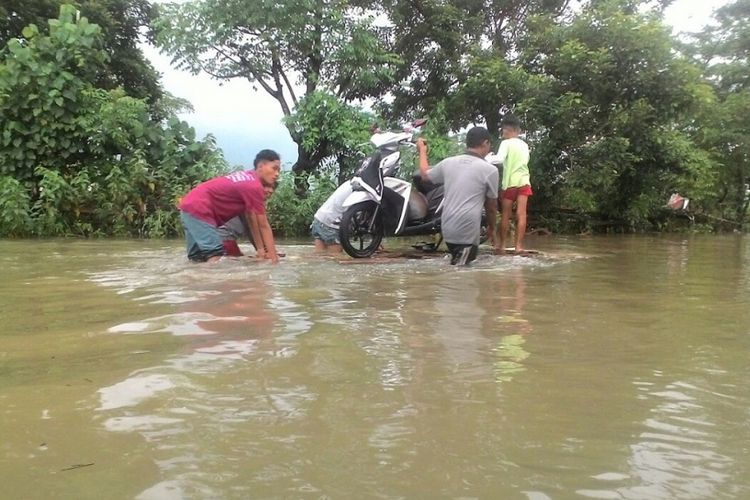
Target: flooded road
x,y
612,367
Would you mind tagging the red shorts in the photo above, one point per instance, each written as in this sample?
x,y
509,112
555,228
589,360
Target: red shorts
x,y
513,193
231,248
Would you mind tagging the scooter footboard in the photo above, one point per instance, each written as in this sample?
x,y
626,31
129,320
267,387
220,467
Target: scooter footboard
x,y
393,211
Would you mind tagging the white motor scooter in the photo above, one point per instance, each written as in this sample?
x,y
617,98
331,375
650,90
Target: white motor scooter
x,y
385,205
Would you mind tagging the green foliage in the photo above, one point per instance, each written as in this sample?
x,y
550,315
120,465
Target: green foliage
x,y
722,127
124,23
330,128
322,119
292,216
606,103
437,40
87,160
43,85
15,207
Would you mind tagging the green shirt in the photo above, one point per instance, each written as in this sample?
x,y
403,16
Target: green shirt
x,y
514,155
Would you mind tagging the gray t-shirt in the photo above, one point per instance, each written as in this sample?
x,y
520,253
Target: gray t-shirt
x,y
468,182
235,228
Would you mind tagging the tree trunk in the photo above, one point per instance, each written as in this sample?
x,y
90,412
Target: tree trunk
x,y
342,172
303,167
493,126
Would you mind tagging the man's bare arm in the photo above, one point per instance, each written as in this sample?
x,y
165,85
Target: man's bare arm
x,y
252,222
490,208
267,238
424,165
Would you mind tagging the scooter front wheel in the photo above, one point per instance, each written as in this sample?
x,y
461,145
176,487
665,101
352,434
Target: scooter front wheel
x,y
361,229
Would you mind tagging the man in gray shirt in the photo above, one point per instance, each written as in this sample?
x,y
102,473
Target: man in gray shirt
x,y
470,183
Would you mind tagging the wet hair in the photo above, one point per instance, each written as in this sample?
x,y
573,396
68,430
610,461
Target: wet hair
x,y
265,155
476,136
511,121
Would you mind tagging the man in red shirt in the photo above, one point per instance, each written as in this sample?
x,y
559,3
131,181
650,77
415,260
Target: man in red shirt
x,y
212,203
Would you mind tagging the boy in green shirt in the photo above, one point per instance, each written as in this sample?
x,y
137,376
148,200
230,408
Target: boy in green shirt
x,y
516,185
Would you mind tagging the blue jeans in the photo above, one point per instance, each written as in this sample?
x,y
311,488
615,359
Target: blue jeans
x,y
203,239
326,234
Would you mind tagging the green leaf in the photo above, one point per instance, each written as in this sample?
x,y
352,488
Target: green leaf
x,y
30,31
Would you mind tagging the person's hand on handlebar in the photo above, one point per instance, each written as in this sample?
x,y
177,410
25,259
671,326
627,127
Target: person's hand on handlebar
x,y
423,162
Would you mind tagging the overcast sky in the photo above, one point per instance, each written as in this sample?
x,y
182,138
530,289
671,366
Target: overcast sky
x,y
245,121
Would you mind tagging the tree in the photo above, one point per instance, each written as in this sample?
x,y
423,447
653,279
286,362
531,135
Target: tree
x,y
124,24
290,49
78,159
46,83
615,100
443,44
604,100
724,50
332,129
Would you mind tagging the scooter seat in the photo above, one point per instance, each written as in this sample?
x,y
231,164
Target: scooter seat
x,y
417,210
424,186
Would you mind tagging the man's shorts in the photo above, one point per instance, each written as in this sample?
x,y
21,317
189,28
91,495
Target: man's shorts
x,y
230,232
231,248
462,255
512,193
324,233
203,239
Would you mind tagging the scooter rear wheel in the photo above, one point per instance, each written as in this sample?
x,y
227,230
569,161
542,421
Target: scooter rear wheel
x,y
361,230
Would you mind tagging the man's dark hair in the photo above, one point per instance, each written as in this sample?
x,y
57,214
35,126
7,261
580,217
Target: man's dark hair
x,y
476,136
265,155
511,120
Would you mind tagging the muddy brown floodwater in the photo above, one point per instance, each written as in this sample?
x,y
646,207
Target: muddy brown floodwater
x,y
607,367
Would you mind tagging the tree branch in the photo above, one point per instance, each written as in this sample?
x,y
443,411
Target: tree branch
x,y
222,76
289,86
344,85
225,55
275,74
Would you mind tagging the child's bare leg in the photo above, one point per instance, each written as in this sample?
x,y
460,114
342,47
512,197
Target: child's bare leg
x,y
320,247
507,208
334,248
521,204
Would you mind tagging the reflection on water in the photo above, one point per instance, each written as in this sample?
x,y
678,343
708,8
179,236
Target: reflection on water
x,y
605,368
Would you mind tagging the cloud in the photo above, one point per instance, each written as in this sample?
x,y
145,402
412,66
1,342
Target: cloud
x,y
243,120
689,16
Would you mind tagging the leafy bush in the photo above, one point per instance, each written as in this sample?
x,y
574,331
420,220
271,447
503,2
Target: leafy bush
x,y
80,160
292,216
15,207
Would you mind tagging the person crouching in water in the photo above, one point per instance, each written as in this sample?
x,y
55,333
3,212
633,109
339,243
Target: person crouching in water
x,y
237,227
325,226
212,203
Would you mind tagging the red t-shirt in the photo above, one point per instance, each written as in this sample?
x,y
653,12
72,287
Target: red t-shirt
x,y
222,198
